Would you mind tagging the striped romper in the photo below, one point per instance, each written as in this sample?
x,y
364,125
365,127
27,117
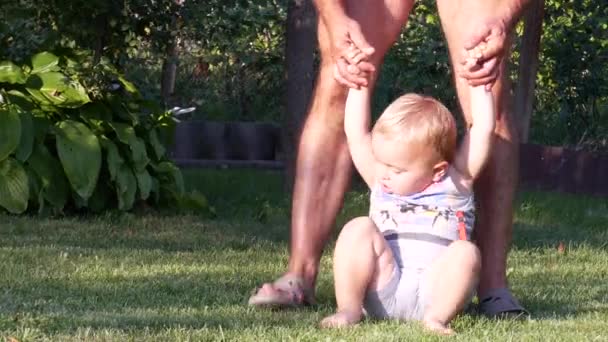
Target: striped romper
x,y
418,228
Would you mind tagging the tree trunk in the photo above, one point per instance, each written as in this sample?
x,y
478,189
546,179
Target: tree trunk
x,y
169,71
528,65
101,22
299,50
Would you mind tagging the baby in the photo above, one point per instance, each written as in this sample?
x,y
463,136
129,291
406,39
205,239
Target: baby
x,y
412,258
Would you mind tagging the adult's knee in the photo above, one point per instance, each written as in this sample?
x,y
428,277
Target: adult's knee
x,y
506,126
328,90
326,111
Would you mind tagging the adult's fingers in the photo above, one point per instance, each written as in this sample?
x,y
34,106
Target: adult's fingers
x,y
483,81
357,57
355,50
488,80
494,48
484,71
354,56
360,69
359,40
477,36
347,51
365,66
353,76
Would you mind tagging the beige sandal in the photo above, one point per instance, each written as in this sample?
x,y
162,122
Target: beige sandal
x,y
287,291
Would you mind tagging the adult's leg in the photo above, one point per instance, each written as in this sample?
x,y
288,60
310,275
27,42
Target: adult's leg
x,y
370,268
495,189
323,165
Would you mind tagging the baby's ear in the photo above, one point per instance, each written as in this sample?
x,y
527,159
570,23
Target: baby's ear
x,y
440,170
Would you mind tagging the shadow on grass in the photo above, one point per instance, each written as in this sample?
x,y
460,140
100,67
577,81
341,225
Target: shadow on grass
x,y
192,233
150,232
551,297
198,301
534,236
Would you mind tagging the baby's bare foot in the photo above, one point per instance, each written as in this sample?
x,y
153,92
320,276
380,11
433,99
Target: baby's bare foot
x,y
341,319
437,327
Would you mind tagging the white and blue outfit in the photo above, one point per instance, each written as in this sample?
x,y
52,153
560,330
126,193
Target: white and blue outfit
x,y
418,228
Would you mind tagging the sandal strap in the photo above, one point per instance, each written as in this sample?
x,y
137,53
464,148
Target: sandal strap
x,y
500,302
295,285
289,291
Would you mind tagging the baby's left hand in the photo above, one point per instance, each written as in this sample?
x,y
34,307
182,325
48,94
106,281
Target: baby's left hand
x,y
473,57
357,56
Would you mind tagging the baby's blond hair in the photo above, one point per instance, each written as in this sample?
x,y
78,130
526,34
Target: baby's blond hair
x,y
420,121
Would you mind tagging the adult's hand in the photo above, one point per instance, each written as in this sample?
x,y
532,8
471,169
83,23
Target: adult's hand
x,y
492,35
350,52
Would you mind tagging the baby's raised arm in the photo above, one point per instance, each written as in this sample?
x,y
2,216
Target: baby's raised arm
x,y
357,128
477,143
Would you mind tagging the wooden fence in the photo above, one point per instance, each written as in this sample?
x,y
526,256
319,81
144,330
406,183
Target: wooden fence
x,y
258,145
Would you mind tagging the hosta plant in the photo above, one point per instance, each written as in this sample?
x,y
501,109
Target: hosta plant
x,y
77,135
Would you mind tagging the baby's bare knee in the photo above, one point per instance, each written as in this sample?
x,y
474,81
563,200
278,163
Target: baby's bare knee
x,y
467,255
358,228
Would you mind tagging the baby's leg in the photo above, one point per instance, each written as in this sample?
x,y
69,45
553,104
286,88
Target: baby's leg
x,y
451,281
362,261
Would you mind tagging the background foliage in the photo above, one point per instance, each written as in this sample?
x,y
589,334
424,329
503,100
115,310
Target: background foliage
x,y
572,81
231,56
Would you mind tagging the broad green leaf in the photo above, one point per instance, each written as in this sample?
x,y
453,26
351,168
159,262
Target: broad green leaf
x,y
20,99
113,158
56,89
42,126
96,113
54,184
175,175
120,110
140,156
36,193
164,167
159,149
144,183
39,96
125,132
129,87
126,187
80,156
107,65
10,131
14,187
27,137
44,62
126,135
11,73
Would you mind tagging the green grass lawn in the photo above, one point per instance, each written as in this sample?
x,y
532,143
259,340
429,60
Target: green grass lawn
x,y
166,277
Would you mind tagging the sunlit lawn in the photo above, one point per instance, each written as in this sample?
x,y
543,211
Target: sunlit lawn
x,y
172,277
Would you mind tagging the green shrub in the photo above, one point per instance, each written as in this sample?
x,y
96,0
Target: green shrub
x,y
78,135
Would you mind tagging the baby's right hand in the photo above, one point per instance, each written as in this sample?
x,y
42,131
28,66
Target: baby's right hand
x,y
357,56
474,55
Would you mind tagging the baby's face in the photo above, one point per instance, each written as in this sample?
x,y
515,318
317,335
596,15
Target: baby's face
x,y
402,170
